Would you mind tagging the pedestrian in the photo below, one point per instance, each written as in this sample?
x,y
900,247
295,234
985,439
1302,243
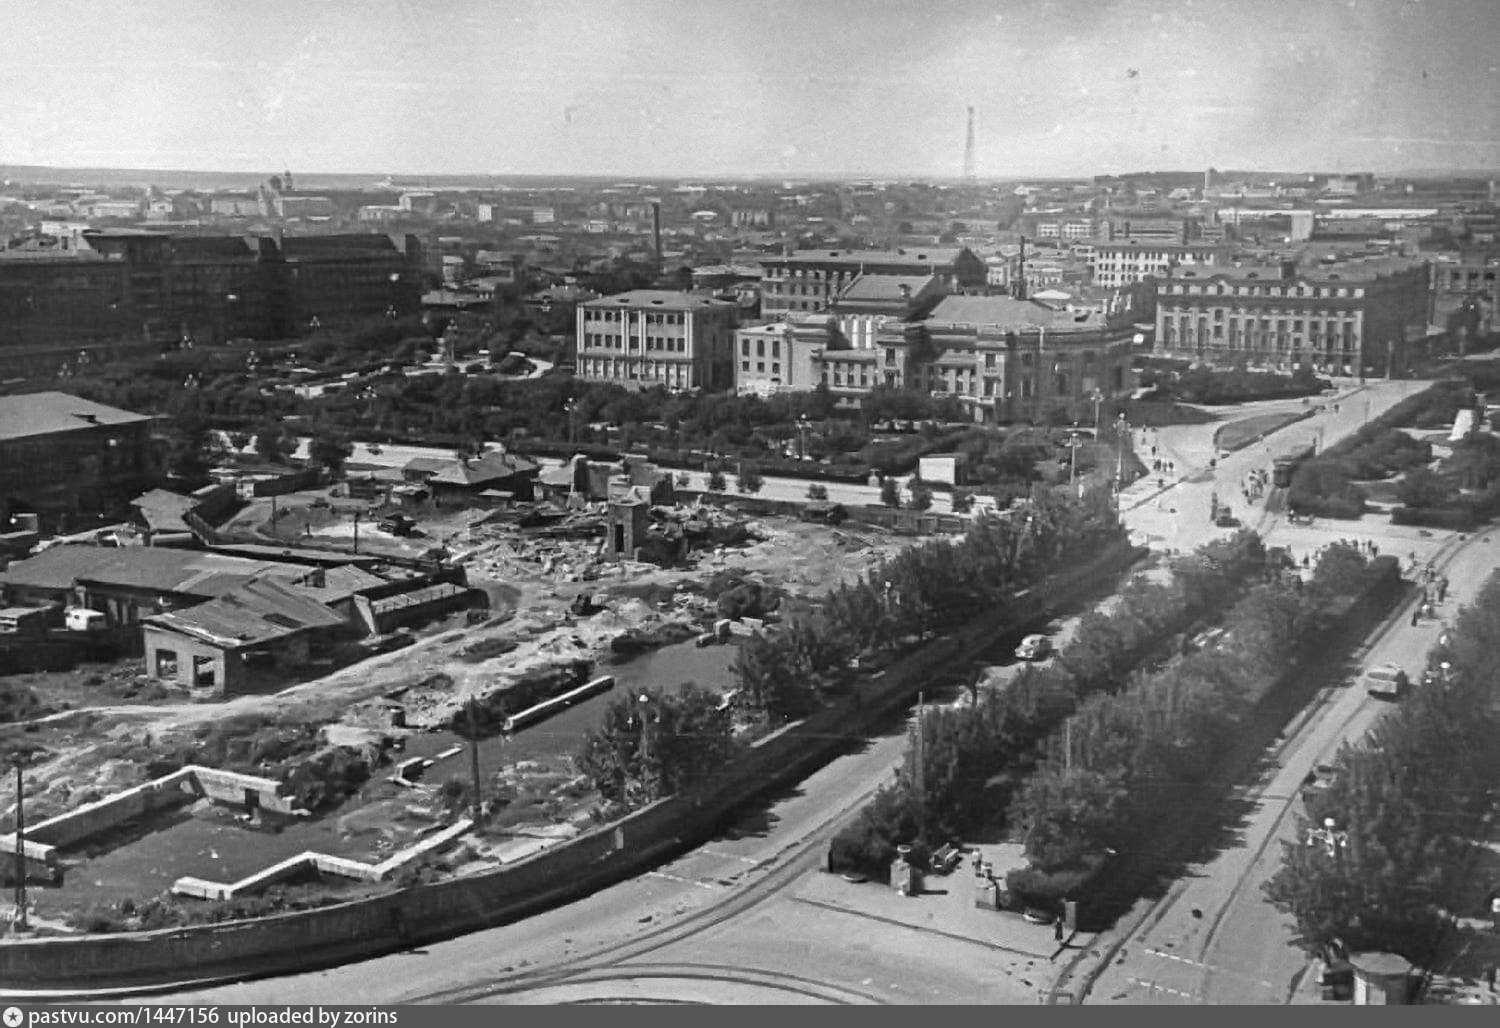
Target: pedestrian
x,y
1057,933
1374,550
1414,617
1489,977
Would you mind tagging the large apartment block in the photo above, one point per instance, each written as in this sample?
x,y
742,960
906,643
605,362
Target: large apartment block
x,y
652,337
808,281
1117,264
132,286
1351,317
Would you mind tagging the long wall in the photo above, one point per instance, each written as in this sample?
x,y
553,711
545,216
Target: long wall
x,y
337,934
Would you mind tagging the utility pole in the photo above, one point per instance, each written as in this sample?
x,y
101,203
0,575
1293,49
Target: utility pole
x,y
356,531
1073,457
20,850
920,775
474,758
1068,744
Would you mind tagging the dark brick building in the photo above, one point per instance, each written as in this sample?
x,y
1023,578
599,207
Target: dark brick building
x,y
132,288
68,459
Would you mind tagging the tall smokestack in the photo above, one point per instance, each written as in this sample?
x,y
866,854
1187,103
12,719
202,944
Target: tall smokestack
x,y
1018,290
969,149
656,233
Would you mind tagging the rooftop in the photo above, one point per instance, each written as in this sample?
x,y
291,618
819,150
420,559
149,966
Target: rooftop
x,y
663,298
886,287
33,414
916,255
190,572
260,611
1008,313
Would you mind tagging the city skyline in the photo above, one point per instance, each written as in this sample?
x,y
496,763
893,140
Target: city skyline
x,y
1061,88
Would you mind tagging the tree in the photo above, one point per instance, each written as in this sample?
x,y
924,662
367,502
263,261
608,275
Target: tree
x,y
330,448
817,491
716,481
890,492
750,480
272,443
963,501
191,444
921,494
1422,487
1069,815
657,744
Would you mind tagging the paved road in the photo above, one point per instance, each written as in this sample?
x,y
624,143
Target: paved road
x,y
1215,939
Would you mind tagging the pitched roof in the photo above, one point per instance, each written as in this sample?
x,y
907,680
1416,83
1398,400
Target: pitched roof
x,y
491,467
259,611
31,414
886,287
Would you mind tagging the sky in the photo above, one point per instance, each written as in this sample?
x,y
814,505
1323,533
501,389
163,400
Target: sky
x,y
690,88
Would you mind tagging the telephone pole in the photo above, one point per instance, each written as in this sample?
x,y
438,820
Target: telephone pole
x,y
474,758
20,850
919,777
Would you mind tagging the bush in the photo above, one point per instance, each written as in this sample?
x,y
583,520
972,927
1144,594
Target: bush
x,y
1457,519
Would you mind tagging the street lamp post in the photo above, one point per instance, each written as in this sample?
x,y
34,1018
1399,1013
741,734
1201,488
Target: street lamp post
x,y
1073,457
1330,836
642,701
20,922
1122,429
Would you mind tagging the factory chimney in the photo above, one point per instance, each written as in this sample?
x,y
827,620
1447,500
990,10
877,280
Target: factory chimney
x,y
969,149
656,234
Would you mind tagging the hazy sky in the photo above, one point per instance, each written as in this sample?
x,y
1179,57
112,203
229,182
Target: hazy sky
x,y
724,87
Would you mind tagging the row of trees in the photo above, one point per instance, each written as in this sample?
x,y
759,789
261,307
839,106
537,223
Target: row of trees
x,y
1125,755
936,584
1405,805
974,759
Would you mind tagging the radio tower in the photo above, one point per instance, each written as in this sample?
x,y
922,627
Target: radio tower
x,y
969,149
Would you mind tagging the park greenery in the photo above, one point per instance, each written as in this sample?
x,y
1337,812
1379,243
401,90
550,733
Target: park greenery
x,y
1186,382
1142,713
1167,735
1407,804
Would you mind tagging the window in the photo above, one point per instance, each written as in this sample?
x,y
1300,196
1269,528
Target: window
x,y
744,365
745,348
760,348
775,347
760,366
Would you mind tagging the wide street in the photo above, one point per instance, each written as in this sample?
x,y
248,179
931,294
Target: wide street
x,y
749,918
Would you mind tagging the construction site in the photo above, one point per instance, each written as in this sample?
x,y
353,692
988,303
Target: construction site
x,y
603,577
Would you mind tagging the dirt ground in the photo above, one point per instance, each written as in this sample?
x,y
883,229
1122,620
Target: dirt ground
x,y
120,721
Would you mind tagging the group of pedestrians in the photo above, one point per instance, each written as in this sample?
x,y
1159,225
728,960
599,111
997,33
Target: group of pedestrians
x,y
1254,485
1434,588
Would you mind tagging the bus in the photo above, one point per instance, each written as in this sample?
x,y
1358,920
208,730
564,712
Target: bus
x,y
1285,466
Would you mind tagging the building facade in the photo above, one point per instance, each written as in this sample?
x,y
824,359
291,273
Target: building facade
x,y
657,337
132,287
1466,289
1354,317
1117,264
69,460
808,281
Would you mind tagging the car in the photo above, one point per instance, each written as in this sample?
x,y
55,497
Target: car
x,y
1386,682
855,877
1038,916
1227,520
1034,647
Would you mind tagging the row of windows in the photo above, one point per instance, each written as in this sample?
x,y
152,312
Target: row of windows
x,y
602,341
760,367
678,376
1220,289
1279,325
760,347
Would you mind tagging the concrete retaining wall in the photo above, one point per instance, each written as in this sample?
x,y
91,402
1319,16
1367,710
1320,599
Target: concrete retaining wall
x,y
566,871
